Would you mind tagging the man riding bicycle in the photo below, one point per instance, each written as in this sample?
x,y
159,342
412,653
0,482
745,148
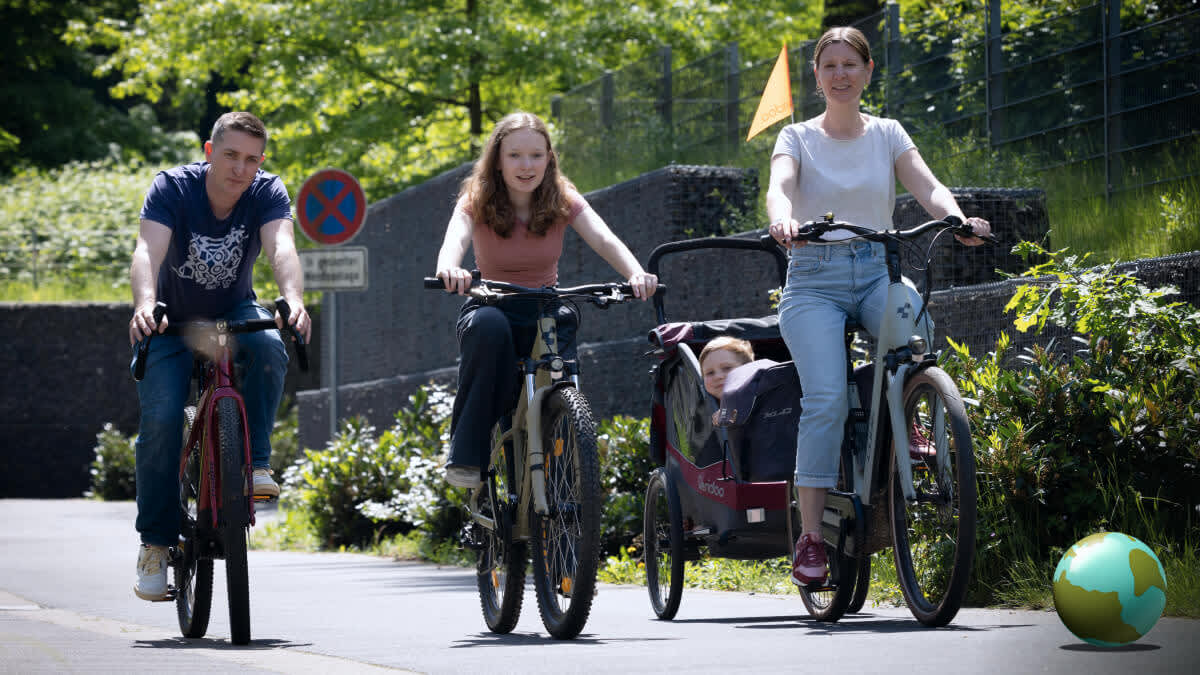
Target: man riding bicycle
x,y
202,227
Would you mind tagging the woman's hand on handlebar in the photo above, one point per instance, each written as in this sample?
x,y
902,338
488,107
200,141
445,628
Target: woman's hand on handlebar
x,y
784,232
456,279
143,323
643,284
980,227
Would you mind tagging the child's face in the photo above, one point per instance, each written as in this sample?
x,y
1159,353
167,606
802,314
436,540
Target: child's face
x,y
716,366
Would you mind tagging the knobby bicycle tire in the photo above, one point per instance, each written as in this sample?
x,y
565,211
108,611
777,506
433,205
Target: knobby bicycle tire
x,y
193,575
567,540
500,569
663,546
935,536
234,517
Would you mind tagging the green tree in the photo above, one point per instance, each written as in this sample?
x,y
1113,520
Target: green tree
x,y
55,110
398,90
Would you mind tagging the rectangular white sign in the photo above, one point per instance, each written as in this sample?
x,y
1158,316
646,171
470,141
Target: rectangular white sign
x,y
334,269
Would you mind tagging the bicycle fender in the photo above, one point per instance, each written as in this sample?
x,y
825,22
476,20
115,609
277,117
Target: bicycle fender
x,y
895,395
536,455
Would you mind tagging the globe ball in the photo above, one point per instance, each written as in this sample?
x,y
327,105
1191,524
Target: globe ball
x,y
1109,589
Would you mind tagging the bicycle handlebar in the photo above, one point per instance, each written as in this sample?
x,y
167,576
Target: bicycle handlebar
x,y
813,229
226,327
599,294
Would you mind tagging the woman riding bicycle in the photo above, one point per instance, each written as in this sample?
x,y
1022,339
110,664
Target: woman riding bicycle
x,y
513,210
845,162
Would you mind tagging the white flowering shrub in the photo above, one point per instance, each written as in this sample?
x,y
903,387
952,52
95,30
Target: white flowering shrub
x,y
364,485
112,469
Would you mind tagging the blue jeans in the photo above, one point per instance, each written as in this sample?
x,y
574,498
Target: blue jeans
x,y
162,394
826,285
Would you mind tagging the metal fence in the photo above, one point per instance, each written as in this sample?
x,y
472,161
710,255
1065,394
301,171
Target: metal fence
x,y
1114,98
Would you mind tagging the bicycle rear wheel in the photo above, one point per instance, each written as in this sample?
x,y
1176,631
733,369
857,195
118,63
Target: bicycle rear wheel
x,y
234,517
935,535
500,572
567,540
663,546
193,574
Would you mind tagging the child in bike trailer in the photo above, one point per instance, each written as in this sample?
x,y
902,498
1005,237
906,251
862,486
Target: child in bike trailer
x,y
513,210
846,162
202,226
718,358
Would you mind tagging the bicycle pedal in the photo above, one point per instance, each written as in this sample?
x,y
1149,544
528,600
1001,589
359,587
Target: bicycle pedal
x,y
264,498
819,588
169,597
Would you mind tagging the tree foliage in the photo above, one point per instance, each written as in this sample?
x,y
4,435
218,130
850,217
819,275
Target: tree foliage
x,y
398,90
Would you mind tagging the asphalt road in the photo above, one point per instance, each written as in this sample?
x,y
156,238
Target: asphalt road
x,y
67,606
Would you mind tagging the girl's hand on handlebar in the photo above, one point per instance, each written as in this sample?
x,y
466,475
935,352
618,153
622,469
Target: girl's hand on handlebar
x,y
784,232
980,227
456,279
643,284
143,324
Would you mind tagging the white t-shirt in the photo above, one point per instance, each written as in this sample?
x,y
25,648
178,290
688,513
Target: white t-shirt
x,y
855,179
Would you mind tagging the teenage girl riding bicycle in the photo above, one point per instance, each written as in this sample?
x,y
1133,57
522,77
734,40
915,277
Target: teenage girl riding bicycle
x,y
847,162
202,227
513,210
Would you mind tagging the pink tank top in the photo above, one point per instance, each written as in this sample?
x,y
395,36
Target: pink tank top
x,y
524,258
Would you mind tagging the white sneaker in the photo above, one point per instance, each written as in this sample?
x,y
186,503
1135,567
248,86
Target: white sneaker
x,y
264,485
462,476
151,573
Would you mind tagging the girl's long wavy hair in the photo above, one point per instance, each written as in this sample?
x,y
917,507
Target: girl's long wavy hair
x,y
487,196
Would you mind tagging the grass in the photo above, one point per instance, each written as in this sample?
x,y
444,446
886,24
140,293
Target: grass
x,y
56,290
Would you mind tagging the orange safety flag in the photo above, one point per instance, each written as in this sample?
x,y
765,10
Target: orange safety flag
x,y
776,102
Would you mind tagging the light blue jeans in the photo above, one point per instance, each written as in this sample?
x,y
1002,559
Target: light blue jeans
x,y
162,394
826,285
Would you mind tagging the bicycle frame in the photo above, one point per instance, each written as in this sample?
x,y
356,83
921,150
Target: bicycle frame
x,y
895,334
540,379
217,384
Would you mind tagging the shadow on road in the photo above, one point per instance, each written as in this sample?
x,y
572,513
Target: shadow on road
x,y
528,639
209,643
859,623
1086,647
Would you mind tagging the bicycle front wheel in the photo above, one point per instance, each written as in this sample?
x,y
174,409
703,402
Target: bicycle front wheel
x,y
567,539
934,535
500,572
234,518
193,574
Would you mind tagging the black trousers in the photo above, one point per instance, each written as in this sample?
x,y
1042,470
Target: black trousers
x,y
491,339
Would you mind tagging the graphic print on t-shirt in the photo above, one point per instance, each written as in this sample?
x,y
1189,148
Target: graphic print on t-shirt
x,y
213,262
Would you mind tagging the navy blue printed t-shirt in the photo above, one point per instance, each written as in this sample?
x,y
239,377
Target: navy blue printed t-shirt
x,y
208,267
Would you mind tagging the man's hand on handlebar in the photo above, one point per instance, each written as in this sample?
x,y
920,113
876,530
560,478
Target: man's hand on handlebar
x,y
298,318
456,279
980,227
643,284
143,323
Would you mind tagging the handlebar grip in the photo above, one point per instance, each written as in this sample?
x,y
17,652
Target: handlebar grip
x,y
139,361
434,283
285,312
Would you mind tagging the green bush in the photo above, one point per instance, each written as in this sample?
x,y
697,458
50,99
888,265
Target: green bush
x,y
1098,432
113,476
361,487
624,448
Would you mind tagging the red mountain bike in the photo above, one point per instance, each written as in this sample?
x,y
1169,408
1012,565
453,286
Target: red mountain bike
x,y
214,473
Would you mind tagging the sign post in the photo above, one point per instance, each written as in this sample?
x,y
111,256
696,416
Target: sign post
x,y
331,208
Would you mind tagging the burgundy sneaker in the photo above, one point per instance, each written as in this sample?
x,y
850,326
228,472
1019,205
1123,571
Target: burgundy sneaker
x,y
809,565
920,448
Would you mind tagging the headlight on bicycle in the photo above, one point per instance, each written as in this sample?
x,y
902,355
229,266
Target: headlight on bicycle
x,y
918,345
